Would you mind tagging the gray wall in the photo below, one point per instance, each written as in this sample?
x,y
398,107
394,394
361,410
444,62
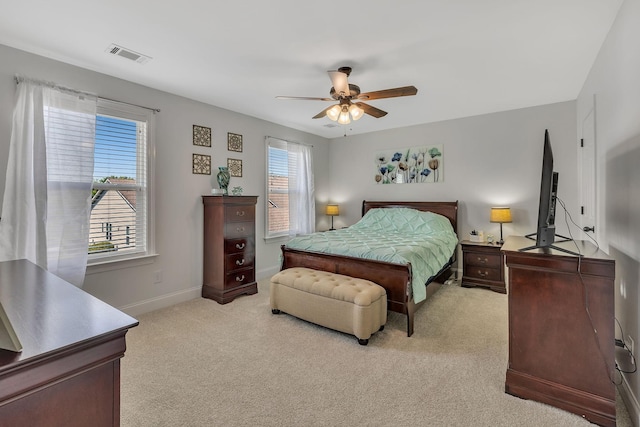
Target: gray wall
x,y
493,159
614,82
178,203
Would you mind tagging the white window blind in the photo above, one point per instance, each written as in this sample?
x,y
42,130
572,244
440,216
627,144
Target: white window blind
x,y
120,204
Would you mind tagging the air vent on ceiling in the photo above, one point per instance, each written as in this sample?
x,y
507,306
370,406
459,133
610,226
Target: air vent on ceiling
x,y
114,49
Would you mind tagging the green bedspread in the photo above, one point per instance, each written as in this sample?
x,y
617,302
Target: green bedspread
x,y
395,235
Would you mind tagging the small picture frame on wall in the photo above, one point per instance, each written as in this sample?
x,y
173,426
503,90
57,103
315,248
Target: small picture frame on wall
x,y
234,142
201,164
201,136
235,167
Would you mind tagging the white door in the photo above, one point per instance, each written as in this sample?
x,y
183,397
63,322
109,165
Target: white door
x,y
588,175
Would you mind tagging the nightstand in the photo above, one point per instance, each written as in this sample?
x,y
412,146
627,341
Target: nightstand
x,y
483,265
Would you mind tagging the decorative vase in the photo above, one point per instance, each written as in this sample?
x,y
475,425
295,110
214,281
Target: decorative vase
x,y
223,179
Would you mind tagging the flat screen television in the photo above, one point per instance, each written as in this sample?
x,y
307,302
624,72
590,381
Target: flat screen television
x,y
545,235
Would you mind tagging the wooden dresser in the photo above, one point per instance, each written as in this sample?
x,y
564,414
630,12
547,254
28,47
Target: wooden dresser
x,y
556,303
229,247
68,373
483,265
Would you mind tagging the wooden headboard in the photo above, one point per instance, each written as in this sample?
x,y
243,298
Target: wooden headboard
x,y
447,209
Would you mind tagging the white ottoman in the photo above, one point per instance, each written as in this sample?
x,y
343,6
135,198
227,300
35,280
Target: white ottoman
x,y
346,304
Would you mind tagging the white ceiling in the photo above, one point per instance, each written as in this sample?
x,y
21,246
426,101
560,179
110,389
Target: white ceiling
x,y
466,57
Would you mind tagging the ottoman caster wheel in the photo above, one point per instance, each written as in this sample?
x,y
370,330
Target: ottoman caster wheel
x,y
275,311
363,342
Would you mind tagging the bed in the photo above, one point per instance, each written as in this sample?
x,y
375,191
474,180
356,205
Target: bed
x,y
404,295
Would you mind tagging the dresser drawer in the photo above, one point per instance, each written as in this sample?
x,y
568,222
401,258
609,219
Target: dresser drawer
x,y
239,229
239,213
483,259
244,244
239,278
238,261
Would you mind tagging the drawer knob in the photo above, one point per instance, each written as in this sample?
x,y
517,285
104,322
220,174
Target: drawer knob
x,y
239,229
239,213
240,245
240,261
483,260
240,279
482,273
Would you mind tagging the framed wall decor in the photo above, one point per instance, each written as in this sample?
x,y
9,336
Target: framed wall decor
x,y
234,142
201,136
201,164
415,165
235,167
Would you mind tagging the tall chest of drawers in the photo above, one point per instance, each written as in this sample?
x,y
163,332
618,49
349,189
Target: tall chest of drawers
x,y
229,247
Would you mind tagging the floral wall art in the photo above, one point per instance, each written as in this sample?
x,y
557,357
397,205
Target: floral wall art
x,y
414,165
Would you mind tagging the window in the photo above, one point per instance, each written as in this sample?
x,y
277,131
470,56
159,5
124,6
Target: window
x,y
120,225
290,189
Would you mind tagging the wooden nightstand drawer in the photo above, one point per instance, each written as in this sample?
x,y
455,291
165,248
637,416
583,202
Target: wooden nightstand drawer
x,y
483,273
483,259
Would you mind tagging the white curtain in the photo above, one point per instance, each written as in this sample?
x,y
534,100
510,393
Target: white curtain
x,y
47,199
302,206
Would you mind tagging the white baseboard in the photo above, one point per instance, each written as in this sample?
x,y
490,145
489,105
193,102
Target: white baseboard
x,y
630,401
161,301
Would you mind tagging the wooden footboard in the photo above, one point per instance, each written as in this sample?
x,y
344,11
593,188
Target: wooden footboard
x,y
395,278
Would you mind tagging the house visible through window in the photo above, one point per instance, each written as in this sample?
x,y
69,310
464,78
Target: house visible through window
x,y
119,224
290,189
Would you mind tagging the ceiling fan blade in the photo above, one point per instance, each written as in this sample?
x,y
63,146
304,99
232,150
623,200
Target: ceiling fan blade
x,y
305,98
389,93
371,110
322,113
340,83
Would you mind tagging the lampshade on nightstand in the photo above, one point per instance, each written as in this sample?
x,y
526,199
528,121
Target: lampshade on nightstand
x,y
500,215
332,210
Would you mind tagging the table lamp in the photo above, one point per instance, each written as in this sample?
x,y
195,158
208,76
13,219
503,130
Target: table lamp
x,y
500,215
332,210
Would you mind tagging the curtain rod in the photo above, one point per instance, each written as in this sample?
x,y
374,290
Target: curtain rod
x,y
64,88
155,110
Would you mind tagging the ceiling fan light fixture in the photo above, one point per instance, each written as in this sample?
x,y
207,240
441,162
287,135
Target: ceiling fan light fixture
x,y
334,112
356,112
344,118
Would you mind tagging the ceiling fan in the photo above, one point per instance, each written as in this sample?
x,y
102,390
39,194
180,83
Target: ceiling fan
x,y
345,92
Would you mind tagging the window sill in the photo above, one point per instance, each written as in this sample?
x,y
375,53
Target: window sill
x,y
100,266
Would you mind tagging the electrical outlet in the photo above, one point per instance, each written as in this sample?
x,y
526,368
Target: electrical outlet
x,y
157,276
632,348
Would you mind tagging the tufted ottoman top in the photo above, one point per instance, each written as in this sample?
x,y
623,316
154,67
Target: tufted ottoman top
x,y
331,285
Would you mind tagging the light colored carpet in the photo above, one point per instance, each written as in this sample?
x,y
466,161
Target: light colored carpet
x,y
200,363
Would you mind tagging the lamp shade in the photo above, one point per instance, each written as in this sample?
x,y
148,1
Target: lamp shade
x,y
500,214
356,112
334,112
332,210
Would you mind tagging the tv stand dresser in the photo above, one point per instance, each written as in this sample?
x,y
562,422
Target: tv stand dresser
x,y
556,303
68,372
